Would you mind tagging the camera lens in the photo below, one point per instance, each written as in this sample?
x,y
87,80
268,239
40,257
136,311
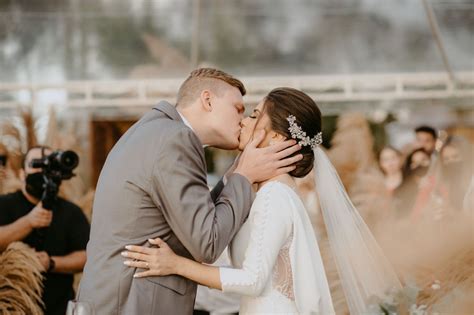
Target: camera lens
x,y
37,163
69,160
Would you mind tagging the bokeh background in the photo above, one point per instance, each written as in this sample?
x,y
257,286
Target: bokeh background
x,y
76,74
67,56
55,41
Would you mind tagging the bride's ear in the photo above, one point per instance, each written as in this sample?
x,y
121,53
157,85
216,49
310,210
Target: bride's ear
x,y
276,137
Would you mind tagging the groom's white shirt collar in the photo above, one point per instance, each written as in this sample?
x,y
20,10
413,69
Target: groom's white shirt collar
x,y
186,122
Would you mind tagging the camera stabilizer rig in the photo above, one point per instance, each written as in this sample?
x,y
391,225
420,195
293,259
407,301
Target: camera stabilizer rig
x,y
56,167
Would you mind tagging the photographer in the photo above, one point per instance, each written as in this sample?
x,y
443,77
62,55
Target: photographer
x,y
59,235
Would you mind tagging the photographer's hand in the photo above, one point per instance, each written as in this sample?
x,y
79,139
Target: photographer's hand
x,y
39,217
44,259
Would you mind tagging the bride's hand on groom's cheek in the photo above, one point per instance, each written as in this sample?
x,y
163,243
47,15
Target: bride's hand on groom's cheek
x,y
156,261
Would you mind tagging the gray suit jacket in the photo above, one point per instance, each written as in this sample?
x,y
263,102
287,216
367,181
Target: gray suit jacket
x,y
153,184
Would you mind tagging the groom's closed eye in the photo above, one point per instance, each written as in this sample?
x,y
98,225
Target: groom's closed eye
x,y
240,108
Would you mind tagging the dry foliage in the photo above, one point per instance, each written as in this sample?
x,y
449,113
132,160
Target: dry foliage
x,y
11,142
352,147
29,123
20,281
166,59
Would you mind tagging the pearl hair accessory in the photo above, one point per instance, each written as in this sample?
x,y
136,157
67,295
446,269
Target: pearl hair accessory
x,y
298,133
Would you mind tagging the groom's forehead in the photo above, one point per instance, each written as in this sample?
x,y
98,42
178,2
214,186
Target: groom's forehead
x,y
229,91
233,96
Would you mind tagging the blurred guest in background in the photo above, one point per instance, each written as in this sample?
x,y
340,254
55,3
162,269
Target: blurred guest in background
x,y
417,163
415,168
391,162
468,199
457,170
426,137
427,192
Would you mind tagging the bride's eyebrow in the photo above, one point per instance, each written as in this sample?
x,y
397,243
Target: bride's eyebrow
x,y
256,111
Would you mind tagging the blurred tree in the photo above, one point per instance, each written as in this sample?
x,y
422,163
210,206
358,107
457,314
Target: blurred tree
x,y
87,39
22,25
120,42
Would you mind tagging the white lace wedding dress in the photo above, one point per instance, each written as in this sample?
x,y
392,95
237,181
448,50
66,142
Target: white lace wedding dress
x,y
276,259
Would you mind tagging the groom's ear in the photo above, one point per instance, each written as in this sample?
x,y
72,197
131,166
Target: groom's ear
x,y
205,98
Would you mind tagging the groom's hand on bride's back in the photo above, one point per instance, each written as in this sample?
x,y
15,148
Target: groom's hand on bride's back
x,y
260,164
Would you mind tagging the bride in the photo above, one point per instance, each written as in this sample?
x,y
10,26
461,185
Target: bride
x,y
277,265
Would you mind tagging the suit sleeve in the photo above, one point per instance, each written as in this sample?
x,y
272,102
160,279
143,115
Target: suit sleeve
x,y
179,187
216,191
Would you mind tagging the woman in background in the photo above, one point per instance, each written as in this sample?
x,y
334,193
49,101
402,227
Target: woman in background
x,y
457,169
391,163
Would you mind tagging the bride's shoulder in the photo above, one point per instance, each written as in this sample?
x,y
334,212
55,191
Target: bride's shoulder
x,y
275,194
272,207
275,187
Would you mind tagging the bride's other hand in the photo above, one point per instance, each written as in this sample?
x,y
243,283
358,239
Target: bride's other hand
x,y
160,261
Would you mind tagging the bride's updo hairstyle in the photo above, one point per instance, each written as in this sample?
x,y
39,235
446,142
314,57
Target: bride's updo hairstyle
x,y
283,102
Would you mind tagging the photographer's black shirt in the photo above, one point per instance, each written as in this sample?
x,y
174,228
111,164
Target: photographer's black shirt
x,y
68,232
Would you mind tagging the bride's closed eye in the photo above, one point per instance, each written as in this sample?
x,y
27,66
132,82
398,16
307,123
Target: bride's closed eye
x,y
254,114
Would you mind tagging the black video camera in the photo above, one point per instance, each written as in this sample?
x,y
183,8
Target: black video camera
x,y
57,167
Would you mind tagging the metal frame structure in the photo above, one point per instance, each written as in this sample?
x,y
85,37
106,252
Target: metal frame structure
x,y
392,88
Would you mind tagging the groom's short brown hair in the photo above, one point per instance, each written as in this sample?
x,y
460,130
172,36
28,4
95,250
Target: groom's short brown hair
x,y
205,78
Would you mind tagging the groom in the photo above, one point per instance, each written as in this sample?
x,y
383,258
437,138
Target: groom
x,y
153,184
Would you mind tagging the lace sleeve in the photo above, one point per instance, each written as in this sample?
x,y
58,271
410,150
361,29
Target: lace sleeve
x,y
271,226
